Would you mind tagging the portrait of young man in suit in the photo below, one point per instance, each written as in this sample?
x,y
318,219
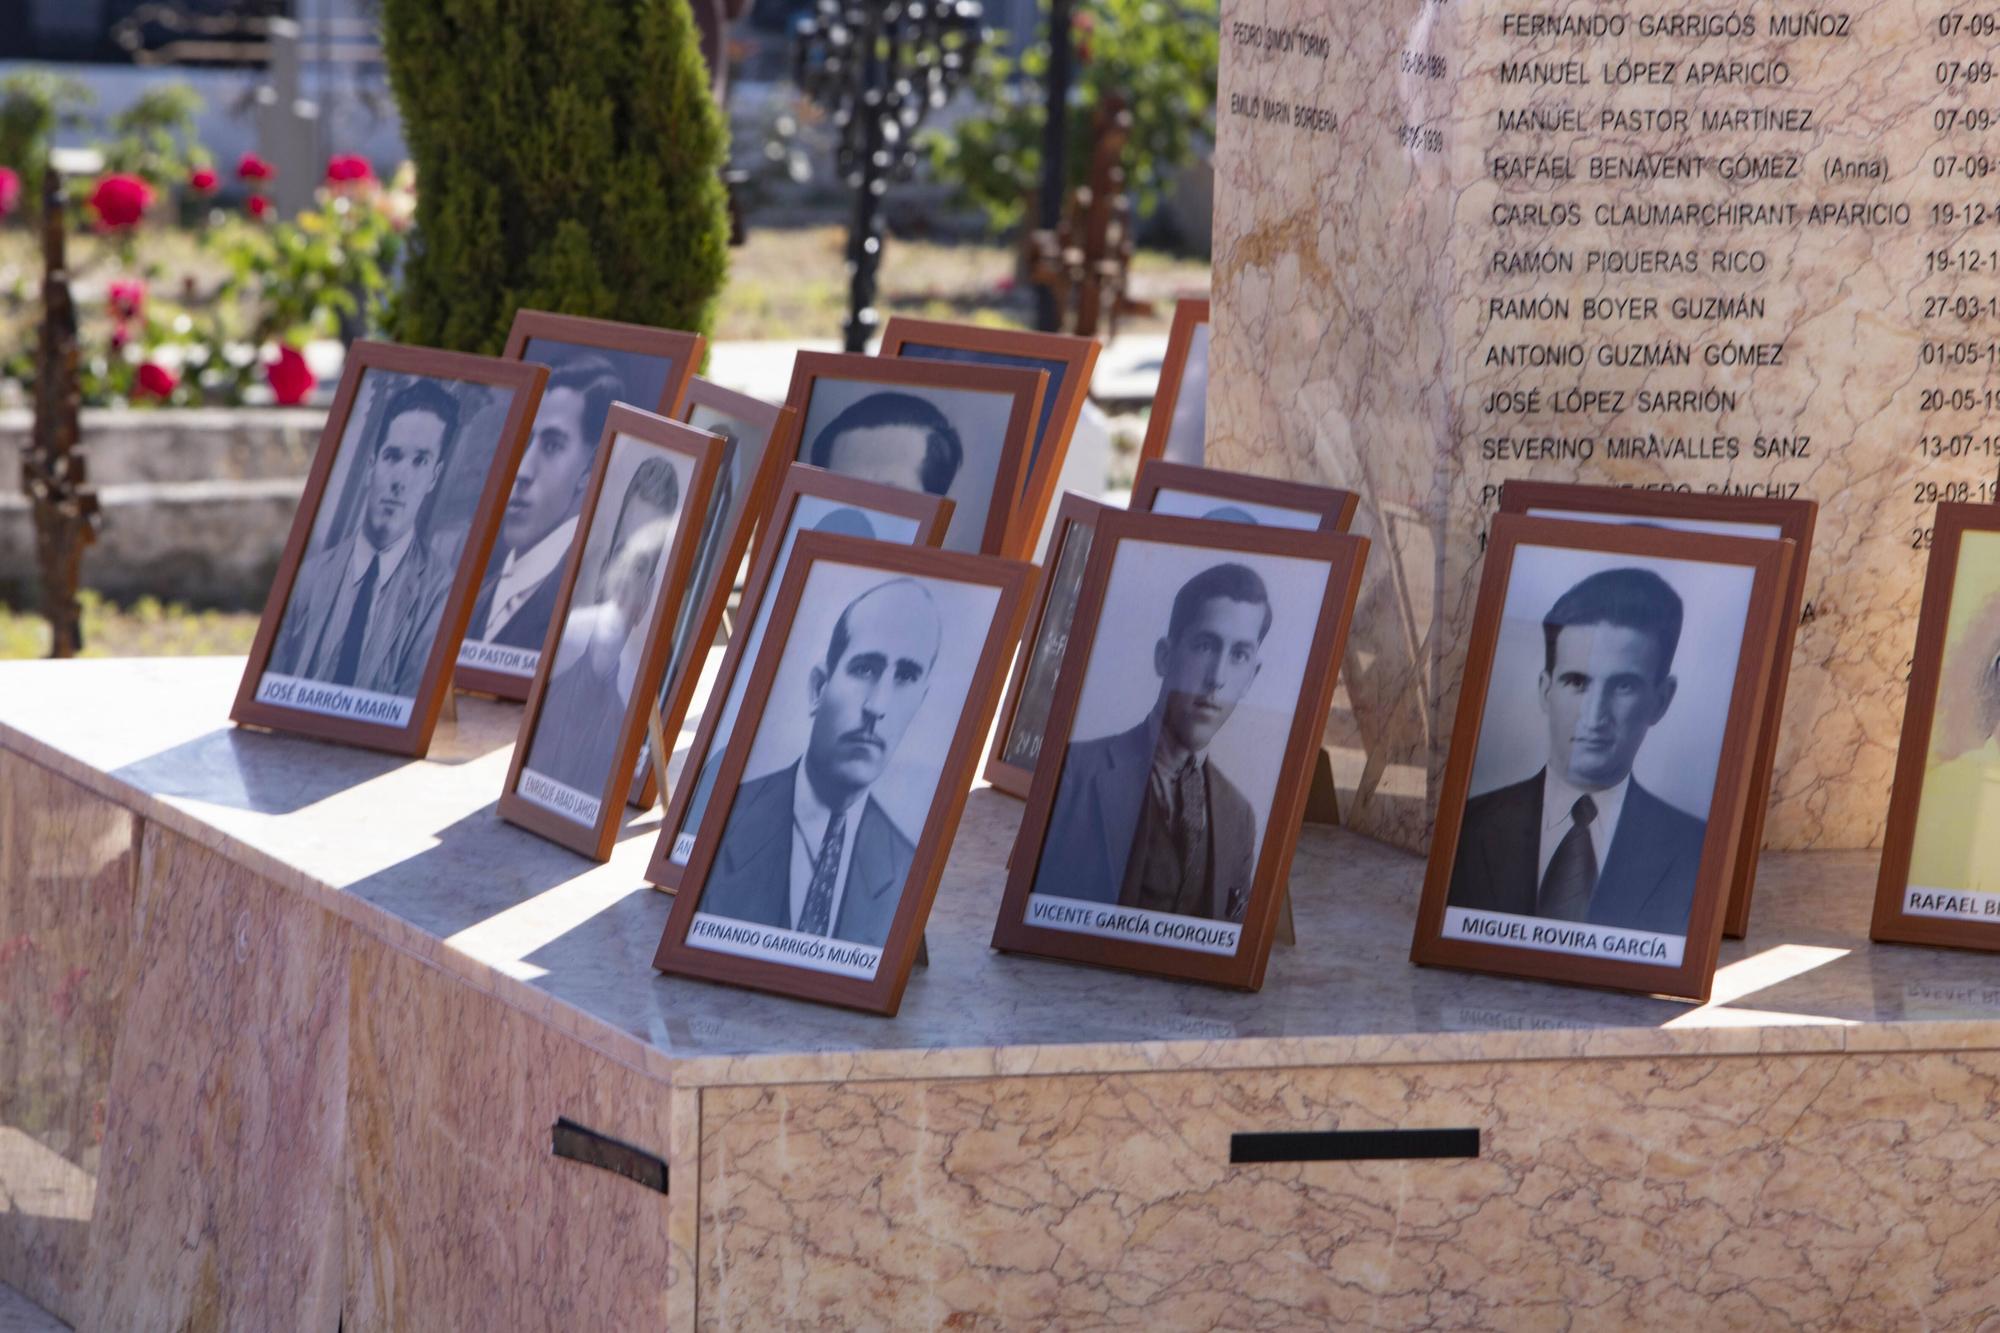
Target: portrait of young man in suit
x,y
517,595
1146,818
896,439
1582,840
364,610
809,848
590,690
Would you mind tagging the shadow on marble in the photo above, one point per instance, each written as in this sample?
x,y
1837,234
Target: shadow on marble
x,y
478,866
257,771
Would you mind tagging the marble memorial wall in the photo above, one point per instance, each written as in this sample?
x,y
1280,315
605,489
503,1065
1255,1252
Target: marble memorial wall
x,y
1751,249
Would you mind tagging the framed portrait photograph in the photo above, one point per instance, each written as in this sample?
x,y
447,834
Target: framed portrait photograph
x,y
397,519
1024,712
1940,877
955,431
1762,517
744,488
1200,668
1177,427
592,363
817,858
1237,497
621,593
810,500
1592,803
1067,360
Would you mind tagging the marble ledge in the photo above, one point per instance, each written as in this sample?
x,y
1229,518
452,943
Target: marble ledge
x,y
413,853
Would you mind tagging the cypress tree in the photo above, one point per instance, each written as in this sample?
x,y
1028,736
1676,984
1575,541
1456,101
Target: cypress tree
x,y
568,158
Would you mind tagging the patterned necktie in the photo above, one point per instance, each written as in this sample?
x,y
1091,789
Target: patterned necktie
x,y
349,664
819,898
1572,872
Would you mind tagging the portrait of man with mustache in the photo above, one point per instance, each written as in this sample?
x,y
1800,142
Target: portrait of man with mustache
x,y
1146,818
808,847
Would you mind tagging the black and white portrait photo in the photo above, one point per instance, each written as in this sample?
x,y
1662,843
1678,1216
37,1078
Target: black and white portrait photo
x,y
846,763
1598,752
810,513
1173,759
1056,370
746,443
941,441
364,610
517,592
588,698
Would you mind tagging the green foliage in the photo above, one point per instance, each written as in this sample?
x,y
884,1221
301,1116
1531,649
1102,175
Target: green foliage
x,y
568,158
155,137
34,104
1160,55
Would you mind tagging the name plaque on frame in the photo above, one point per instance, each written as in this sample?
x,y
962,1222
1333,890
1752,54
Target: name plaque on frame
x,y
1742,250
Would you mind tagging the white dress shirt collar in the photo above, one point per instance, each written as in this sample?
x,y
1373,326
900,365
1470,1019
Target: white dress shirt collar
x,y
523,571
1559,798
391,557
810,817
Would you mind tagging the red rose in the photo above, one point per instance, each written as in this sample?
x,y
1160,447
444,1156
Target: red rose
x,y
127,299
120,201
10,190
203,180
290,377
348,169
254,168
258,205
156,381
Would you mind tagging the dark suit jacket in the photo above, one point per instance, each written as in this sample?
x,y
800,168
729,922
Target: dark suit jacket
x,y
582,720
751,879
1096,816
529,626
402,625
1647,880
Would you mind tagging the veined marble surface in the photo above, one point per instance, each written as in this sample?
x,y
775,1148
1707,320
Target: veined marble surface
x,y
413,853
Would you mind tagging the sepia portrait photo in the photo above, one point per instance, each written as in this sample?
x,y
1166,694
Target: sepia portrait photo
x,y
517,591
398,507
1940,875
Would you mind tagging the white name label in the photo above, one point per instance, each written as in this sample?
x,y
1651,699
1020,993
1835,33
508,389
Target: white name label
x,y
498,657
1956,904
683,849
312,696
1572,937
775,944
567,801
1112,922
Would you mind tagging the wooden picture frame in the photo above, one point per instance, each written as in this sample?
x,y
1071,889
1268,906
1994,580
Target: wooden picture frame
x,y
927,516
1063,397
712,870
678,687
1946,915
1332,507
593,833
1168,546
1190,315
257,706
490,668
999,530
1043,641
1598,547
1794,520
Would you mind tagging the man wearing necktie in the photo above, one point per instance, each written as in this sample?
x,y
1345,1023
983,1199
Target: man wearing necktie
x,y
1582,840
808,847
1146,818
363,611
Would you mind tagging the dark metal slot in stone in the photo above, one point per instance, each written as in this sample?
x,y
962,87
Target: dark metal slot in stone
x,y
1353,1145
573,1141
